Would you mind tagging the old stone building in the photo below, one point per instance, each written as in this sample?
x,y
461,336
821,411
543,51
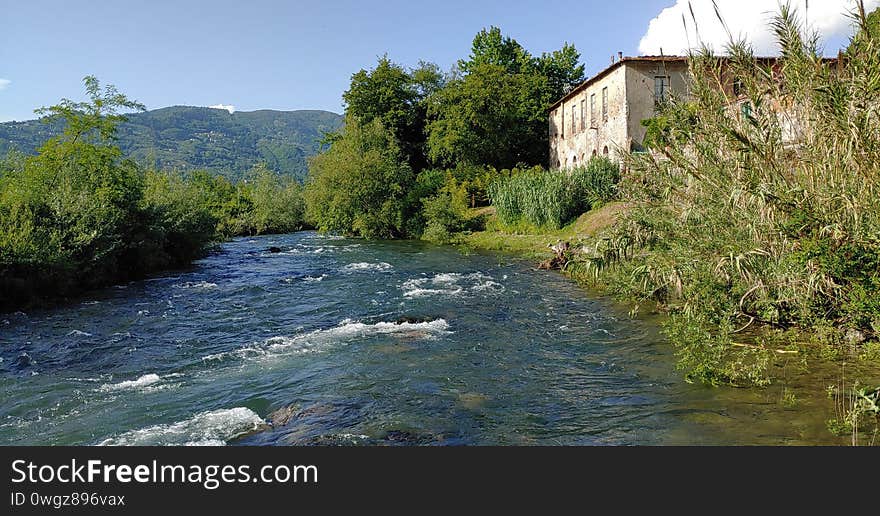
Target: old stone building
x,y
603,115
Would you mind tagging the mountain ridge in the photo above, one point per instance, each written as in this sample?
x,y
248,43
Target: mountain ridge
x,y
193,137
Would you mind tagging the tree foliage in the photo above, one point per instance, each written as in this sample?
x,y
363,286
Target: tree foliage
x,y
78,215
495,111
359,186
489,113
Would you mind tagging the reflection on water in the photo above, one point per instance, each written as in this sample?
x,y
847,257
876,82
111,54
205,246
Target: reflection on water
x,y
337,341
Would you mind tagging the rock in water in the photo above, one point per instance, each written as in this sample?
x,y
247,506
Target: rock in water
x,y
274,250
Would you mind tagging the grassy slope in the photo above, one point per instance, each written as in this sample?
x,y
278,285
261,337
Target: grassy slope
x,y
531,242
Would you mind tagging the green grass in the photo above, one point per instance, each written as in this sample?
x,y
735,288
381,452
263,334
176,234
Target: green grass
x,y
529,241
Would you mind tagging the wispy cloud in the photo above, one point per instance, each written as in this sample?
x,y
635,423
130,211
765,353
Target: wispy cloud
x,y
4,83
227,107
747,19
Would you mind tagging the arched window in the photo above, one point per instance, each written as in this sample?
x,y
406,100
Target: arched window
x,y
557,163
594,153
574,160
605,151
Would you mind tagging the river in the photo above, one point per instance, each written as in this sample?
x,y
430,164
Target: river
x,y
340,341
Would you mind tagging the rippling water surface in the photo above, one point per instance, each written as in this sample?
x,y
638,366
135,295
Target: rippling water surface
x,y
337,341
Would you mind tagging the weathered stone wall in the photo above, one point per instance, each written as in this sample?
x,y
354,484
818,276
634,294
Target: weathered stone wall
x,y
573,142
640,80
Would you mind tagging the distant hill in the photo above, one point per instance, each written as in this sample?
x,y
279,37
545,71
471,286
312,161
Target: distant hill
x,y
186,138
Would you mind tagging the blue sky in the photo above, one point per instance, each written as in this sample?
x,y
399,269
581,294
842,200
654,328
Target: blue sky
x,y
285,55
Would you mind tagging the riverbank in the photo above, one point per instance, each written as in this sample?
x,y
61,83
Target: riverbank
x,y
533,243
798,359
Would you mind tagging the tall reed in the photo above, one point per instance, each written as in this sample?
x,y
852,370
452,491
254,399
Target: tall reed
x,y
761,208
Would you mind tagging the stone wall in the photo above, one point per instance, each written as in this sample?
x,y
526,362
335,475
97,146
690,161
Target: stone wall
x,y
630,86
598,134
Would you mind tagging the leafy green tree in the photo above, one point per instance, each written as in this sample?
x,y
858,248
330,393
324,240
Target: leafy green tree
x,y
491,47
278,206
495,111
396,97
360,185
490,117
74,205
563,70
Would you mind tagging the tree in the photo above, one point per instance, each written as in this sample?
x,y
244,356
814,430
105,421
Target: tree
x,y
277,202
360,185
491,47
489,117
396,97
495,111
95,120
563,70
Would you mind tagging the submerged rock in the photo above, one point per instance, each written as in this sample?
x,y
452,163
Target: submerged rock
x,y
24,361
274,250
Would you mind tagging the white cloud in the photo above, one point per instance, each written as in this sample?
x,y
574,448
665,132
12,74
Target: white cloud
x,y
4,83
227,107
747,19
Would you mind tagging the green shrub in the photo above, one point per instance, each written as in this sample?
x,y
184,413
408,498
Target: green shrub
x,y
360,185
596,182
446,213
552,198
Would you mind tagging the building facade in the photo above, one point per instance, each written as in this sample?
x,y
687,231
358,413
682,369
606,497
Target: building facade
x,y
603,115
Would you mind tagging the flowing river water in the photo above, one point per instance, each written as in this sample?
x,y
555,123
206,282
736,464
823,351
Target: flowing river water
x,y
338,341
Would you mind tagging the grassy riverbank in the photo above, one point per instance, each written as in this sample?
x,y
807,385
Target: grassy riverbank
x,y
533,242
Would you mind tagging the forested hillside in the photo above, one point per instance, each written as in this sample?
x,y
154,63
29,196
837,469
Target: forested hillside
x,y
187,138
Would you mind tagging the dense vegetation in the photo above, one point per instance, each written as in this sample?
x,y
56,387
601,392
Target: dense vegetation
x,y
420,147
551,198
78,215
194,138
759,219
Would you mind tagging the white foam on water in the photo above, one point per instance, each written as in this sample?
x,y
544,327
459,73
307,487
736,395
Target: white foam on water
x,y
140,383
450,284
320,340
199,285
212,428
78,333
311,279
425,292
364,266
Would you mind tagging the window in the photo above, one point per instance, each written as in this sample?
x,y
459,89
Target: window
x,y
605,151
593,110
573,122
737,87
746,110
605,105
562,122
583,120
661,89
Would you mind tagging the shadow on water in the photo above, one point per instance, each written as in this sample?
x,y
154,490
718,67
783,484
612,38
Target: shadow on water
x,y
307,339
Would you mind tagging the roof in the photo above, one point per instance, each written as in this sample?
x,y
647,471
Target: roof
x,y
652,59
640,59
